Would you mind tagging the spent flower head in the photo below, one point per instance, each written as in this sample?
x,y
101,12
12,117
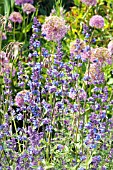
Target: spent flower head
x,y
3,57
94,75
102,54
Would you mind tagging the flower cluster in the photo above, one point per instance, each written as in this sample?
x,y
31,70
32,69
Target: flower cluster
x,y
21,2
96,21
89,2
102,55
19,99
28,8
54,28
15,17
77,47
94,75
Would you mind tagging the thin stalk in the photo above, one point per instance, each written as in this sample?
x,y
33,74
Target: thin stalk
x,y
1,27
48,147
16,132
14,32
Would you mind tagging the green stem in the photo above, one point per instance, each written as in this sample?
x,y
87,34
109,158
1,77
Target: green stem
x,y
14,32
48,147
16,133
0,39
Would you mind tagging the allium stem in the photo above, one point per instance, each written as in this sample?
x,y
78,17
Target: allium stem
x,y
0,41
24,27
14,32
40,80
16,133
48,147
0,38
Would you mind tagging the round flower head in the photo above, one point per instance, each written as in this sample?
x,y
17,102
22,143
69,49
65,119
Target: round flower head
x,y
102,55
54,28
77,47
15,17
95,76
28,8
89,2
110,47
97,21
19,99
20,2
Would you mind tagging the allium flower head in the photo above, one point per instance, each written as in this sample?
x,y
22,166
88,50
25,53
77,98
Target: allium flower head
x,y
96,76
54,28
97,21
101,54
28,8
20,2
110,47
16,17
89,2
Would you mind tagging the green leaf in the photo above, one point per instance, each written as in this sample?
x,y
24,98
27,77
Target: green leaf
x,y
7,7
110,81
27,28
48,167
76,2
2,7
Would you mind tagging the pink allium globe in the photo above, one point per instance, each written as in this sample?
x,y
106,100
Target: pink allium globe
x,y
16,17
89,2
110,47
97,21
21,2
28,8
54,28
